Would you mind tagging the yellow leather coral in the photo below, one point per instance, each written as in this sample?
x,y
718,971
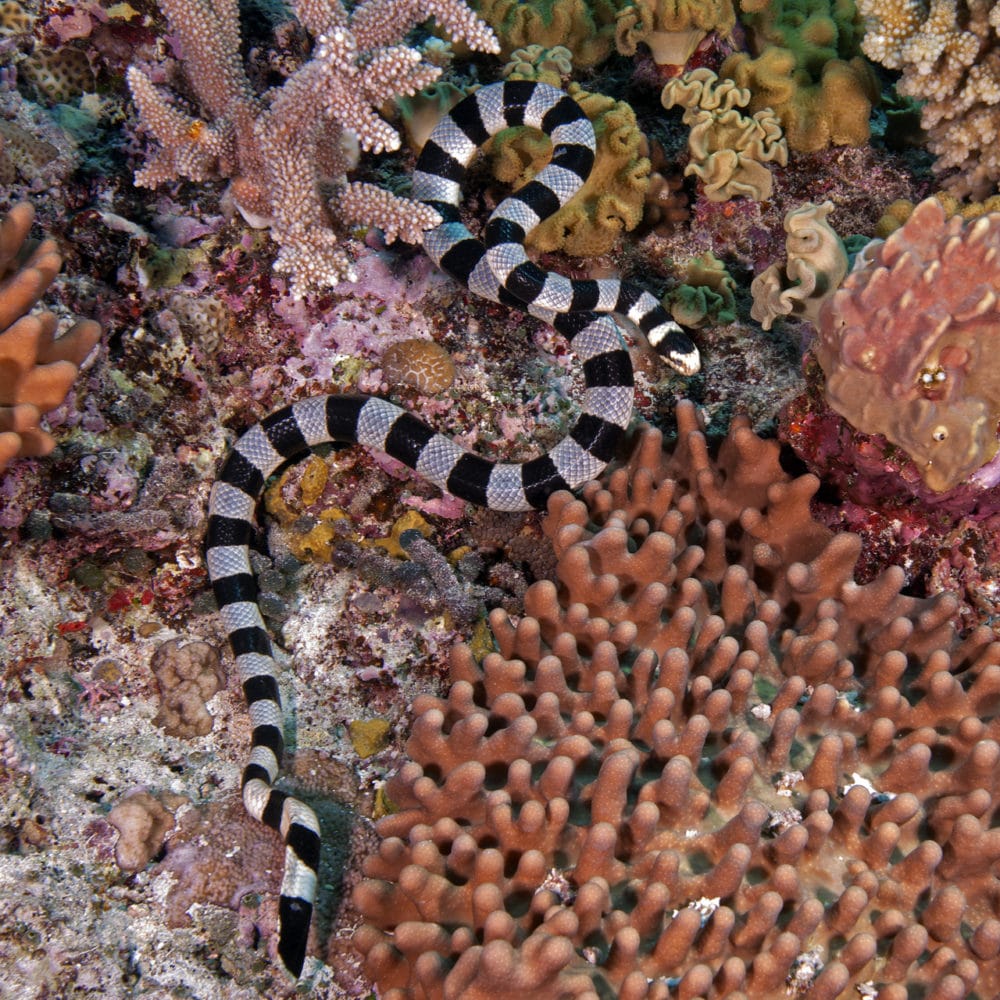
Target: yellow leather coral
x,y
729,151
671,28
804,63
36,367
585,27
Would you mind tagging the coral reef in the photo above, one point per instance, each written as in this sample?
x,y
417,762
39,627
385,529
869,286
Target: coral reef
x,y
949,54
611,200
816,265
368,575
704,760
37,367
905,344
804,65
672,29
729,151
277,152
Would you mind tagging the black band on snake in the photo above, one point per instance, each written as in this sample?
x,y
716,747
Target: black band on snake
x,y
497,268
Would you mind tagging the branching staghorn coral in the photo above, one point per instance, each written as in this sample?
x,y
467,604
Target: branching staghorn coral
x,y
37,368
949,54
705,763
816,265
908,343
279,149
729,151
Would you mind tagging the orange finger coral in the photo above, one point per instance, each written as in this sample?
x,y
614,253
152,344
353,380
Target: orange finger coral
x,y
706,763
36,367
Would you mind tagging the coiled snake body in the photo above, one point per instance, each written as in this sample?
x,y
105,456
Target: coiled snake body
x,y
497,268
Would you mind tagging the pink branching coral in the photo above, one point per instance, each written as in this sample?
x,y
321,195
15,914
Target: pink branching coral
x,y
705,763
949,54
278,149
36,367
908,343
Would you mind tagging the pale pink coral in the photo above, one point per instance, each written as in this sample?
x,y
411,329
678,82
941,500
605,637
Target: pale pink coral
x,y
909,343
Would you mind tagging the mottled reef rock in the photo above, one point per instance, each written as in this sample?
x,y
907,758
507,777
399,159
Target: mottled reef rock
x,y
705,763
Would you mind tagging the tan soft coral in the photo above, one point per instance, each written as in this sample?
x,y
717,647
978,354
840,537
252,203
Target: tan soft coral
x,y
909,343
672,29
729,150
36,367
704,763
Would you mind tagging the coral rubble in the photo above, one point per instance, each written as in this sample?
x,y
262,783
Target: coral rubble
x,y
705,760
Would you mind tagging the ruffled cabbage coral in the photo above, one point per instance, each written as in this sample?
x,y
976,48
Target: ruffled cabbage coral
x,y
612,198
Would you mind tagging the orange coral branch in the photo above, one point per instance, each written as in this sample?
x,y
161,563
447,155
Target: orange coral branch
x,y
36,367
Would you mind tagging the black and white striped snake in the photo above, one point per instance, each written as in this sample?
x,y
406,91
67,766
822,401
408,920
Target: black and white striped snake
x,y
497,268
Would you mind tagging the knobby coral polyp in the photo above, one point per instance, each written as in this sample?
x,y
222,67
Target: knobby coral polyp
x,y
705,763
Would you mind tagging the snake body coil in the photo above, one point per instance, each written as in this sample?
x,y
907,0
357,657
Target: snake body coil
x,y
495,267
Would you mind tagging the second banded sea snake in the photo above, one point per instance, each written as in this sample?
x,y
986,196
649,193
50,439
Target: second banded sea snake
x,y
497,268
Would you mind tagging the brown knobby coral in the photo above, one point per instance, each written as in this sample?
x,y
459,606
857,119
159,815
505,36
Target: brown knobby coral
x,y
907,343
187,676
421,364
36,367
705,763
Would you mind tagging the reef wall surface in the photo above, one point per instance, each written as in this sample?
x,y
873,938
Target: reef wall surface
x,y
128,863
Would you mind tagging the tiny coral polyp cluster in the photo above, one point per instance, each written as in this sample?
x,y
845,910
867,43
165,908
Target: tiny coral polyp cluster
x,y
705,763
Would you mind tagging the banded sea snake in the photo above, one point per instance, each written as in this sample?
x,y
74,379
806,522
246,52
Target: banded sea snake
x,y
497,268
